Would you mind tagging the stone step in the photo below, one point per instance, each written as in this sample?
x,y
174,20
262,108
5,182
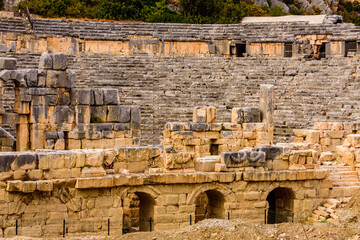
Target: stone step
x,y
344,175
313,220
346,183
329,206
337,168
333,201
315,216
345,178
344,191
321,213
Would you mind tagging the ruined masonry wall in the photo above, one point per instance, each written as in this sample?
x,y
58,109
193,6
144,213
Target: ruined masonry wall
x,y
167,89
86,204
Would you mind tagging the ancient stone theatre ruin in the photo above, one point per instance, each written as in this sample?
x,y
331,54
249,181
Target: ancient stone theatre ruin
x,y
110,128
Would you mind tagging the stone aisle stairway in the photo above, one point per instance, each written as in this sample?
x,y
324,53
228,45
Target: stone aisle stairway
x,y
345,180
345,183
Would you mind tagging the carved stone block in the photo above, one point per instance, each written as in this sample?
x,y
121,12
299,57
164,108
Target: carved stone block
x,y
272,152
243,159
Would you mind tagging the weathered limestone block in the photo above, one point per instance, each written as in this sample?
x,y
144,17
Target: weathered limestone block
x,y
60,61
6,161
28,186
210,114
97,97
119,114
199,127
80,96
59,144
55,160
55,78
135,117
179,160
206,164
78,135
14,186
50,144
300,132
245,115
93,172
94,182
35,174
271,152
70,79
354,140
98,114
267,99
111,96
82,114
8,63
94,158
3,48
243,159
63,97
31,78
64,114
199,115
25,160
313,136
204,115
46,61
177,126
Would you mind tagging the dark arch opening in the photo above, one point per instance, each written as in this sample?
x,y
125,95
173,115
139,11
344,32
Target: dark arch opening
x,y
138,212
209,204
281,205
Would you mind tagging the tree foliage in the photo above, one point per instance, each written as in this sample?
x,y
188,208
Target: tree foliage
x,y
191,11
350,11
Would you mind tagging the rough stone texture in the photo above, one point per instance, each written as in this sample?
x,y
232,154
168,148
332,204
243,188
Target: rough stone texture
x,y
60,61
46,61
8,63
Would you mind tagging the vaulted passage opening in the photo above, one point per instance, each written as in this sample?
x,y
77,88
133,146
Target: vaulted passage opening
x,y
138,213
281,205
322,51
209,204
350,48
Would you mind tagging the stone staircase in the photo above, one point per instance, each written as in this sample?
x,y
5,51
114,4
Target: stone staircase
x,y
345,182
327,212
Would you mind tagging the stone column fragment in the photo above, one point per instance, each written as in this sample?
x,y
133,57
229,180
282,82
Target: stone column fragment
x,y
267,100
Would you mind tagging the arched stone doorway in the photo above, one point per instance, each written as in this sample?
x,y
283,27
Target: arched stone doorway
x,y
281,205
209,204
138,212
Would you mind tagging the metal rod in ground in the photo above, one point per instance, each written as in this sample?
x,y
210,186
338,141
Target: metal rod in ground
x,y
150,221
108,226
16,227
265,217
63,228
228,215
190,219
292,218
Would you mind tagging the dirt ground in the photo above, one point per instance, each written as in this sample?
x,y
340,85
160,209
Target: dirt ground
x,y
219,229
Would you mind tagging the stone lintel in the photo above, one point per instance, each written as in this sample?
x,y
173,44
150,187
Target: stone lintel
x,y
287,175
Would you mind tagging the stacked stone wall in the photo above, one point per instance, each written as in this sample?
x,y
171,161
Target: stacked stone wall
x,y
168,88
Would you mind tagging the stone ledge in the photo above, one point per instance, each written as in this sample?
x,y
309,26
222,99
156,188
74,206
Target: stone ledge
x,y
165,178
298,175
161,178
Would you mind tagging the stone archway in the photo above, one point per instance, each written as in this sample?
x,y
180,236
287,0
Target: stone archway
x,y
211,200
281,205
138,212
138,208
209,204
